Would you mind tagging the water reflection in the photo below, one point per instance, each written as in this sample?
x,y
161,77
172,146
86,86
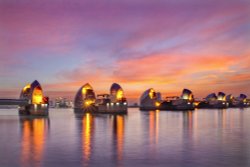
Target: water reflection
x,y
91,127
150,133
118,135
188,141
153,138
203,137
209,130
151,121
87,135
33,134
188,122
85,124
153,126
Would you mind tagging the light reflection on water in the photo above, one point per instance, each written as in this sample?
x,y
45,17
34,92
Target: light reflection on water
x,y
34,132
141,138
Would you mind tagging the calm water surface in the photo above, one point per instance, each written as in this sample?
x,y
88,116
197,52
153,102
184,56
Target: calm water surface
x,y
200,138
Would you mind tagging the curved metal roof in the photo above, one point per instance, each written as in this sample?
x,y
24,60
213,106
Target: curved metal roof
x,y
35,84
30,88
115,87
186,91
221,94
212,95
79,98
79,92
243,96
146,93
229,97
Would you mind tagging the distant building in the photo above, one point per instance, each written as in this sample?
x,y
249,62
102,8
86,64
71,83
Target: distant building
x,y
240,101
215,101
61,102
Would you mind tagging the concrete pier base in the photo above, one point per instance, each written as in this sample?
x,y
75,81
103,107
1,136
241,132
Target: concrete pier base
x,y
34,110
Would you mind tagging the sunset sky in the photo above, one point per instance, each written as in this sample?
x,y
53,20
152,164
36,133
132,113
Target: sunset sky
x,y
165,44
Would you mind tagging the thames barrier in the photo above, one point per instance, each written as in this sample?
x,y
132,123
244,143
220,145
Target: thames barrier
x,y
33,102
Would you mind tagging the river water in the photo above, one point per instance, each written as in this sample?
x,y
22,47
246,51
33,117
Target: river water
x,y
200,138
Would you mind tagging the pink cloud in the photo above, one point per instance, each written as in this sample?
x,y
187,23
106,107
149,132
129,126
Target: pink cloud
x,y
168,45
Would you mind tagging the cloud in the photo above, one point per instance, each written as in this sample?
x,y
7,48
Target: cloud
x,y
141,44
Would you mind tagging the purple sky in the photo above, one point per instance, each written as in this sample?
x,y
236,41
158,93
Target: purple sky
x,y
168,45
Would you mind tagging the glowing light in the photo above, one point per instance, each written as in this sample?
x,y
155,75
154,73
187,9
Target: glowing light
x,y
196,103
88,102
124,103
44,105
119,94
221,98
33,140
120,136
152,93
37,96
190,97
117,104
185,96
157,104
26,88
85,88
86,138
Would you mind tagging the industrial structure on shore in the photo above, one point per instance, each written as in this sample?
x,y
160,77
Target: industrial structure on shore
x,y
37,102
112,103
33,102
214,101
152,100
